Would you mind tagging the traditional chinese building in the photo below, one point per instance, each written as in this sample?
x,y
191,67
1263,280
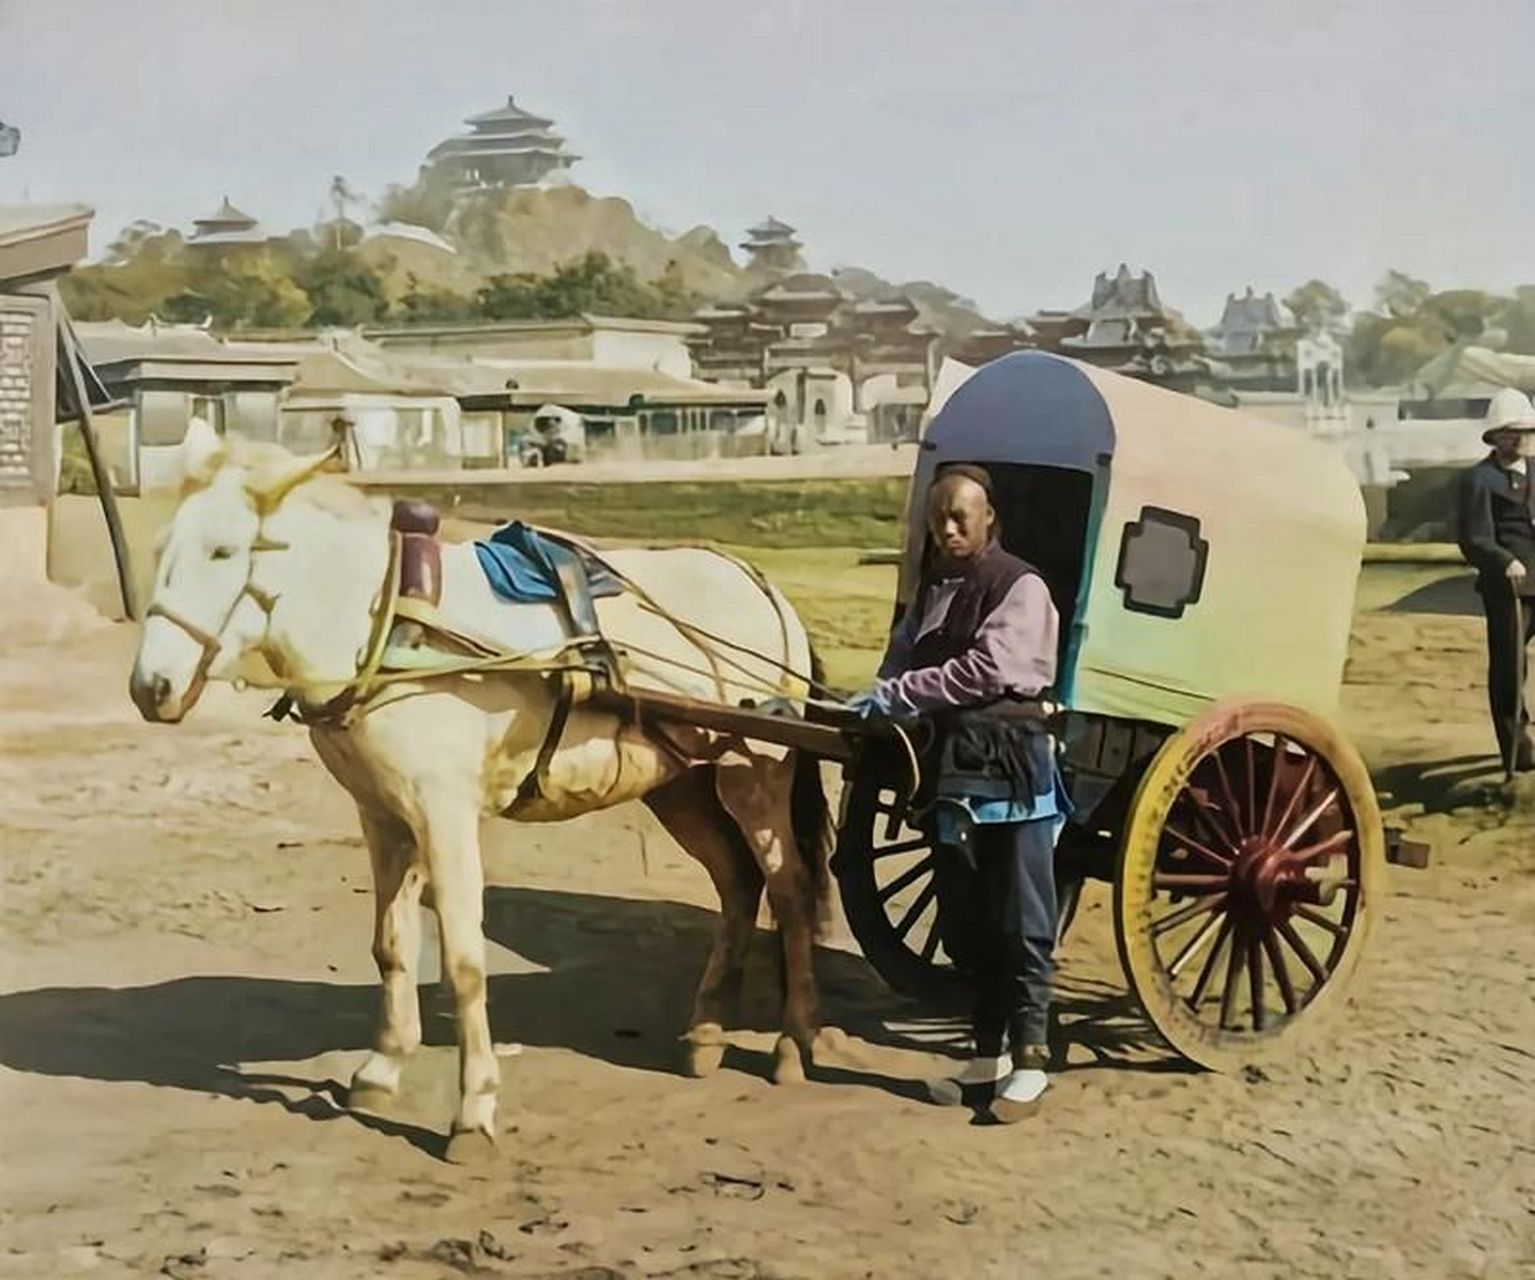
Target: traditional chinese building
x,y
506,147
772,249
837,369
1254,345
1126,327
226,226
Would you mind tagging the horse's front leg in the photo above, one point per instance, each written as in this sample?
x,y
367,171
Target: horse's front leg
x,y
449,836
757,796
398,878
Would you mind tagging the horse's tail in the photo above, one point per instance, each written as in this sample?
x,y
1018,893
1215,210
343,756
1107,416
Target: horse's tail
x,y
814,831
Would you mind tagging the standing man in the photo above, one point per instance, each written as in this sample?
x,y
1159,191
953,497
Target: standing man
x,y
976,651
1496,530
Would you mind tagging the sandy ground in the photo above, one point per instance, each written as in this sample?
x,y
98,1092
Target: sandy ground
x,y
186,980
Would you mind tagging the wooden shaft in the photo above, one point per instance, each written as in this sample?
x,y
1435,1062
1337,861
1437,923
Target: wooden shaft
x,y
817,739
69,352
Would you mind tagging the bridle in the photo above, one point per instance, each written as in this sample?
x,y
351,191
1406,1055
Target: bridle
x,y
211,642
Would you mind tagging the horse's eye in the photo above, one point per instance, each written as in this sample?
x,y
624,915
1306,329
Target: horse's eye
x,y
222,553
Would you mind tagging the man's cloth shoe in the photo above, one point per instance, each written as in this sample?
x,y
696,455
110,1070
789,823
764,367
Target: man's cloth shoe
x,y
978,1073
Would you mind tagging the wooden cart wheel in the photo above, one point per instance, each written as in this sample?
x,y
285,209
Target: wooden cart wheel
x,y
885,874
890,897
1250,872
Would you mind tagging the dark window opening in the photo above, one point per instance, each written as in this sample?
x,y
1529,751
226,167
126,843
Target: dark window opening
x,y
1162,562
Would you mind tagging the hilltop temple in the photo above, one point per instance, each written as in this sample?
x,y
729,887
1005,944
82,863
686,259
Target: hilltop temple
x,y
507,147
225,226
772,249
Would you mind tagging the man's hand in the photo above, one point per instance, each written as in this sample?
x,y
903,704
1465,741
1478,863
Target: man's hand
x,y
871,702
1516,572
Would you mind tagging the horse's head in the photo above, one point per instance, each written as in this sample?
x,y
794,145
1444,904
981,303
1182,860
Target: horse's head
x,y
210,607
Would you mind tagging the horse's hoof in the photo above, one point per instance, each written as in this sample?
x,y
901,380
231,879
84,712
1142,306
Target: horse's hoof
x,y
705,1059
788,1065
831,1045
706,1049
370,1099
470,1147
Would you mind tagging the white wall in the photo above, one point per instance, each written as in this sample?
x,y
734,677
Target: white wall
x,y
617,349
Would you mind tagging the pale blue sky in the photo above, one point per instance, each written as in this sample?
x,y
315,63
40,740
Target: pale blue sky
x,y
1009,150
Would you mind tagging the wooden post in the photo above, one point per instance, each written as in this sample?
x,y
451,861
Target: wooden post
x,y
69,353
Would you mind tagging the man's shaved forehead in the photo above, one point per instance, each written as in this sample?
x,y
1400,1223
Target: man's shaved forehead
x,y
955,484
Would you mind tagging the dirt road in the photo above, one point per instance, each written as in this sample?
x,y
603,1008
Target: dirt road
x,y
186,981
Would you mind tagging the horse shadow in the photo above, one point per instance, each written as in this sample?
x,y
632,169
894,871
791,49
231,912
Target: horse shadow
x,y
610,978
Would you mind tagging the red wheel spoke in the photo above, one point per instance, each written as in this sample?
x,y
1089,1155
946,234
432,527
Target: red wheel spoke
x,y
1298,945
1177,880
1228,796
1276,768
1187,912
1204,812
930,945
1296,796
1219,859
1281,972
1255,983
1333,844
910,876
914,912
1310,820
1321,921
1196,997
1235,963
1196,944
901,846
1252,776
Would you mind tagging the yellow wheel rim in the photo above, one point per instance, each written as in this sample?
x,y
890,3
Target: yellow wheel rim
x,y
1249,876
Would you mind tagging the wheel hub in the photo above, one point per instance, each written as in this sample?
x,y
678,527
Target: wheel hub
x,y
1268,880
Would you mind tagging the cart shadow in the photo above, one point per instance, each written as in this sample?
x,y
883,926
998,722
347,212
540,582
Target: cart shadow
x,y
1442,786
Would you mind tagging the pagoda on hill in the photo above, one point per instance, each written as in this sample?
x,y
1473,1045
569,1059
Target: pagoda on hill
x,y
226,225
508,147
772,249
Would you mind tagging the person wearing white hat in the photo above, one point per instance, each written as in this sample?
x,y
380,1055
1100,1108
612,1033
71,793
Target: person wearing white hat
x,y
1495,527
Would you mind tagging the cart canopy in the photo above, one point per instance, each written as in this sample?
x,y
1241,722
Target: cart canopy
x,y
1219,552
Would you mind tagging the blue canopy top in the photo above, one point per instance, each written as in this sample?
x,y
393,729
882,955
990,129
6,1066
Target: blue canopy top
x,y
1026,407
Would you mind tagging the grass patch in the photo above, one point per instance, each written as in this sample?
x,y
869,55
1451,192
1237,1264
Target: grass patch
x,y
862,512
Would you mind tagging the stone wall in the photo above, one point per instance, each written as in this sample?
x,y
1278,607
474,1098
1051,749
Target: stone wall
x,y
16,411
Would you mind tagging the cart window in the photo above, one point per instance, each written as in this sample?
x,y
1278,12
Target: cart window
x,y
1161,563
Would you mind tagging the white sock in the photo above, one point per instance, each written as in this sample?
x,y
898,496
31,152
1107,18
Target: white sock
x,y
1024,1085
948,1091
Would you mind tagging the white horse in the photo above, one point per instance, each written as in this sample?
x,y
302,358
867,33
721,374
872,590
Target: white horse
x,y
268,557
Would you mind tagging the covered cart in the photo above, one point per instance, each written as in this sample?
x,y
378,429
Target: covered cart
x,y
1204,565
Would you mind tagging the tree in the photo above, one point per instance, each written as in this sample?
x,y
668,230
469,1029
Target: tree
x,y
1516,318
1401,295
425,304
342,196
342,288
142,269
591,283
427,202
250,290
1317,305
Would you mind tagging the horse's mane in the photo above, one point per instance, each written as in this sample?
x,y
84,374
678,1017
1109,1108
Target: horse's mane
x,y
268,468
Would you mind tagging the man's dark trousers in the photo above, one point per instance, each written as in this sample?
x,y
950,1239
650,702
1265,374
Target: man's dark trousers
x,y
1508,640
999,922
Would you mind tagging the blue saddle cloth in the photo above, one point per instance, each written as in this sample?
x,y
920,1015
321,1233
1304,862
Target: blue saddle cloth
x,y
518,563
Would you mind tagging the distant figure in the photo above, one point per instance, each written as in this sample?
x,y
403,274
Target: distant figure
x,y
976,652
1495,527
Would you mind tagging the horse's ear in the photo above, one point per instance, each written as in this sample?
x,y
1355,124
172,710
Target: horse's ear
x,y
198,450
275,488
